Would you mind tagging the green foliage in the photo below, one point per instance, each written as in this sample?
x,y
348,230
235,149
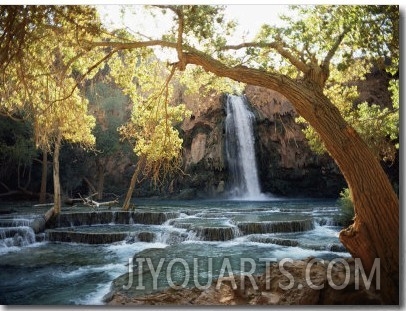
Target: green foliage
x,y
16,143
371,31
346,215
44,66
204,26
379,127
153,117
313,138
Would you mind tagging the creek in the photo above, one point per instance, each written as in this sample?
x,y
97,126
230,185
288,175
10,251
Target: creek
x,y
85,253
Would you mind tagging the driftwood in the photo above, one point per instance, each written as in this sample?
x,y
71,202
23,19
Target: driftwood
x,y
86,201
92,203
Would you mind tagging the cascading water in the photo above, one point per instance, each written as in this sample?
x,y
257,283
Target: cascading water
x,y
198,230
240,150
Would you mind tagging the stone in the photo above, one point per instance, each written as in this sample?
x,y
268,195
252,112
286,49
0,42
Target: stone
x,y
198,147
268,291
220,187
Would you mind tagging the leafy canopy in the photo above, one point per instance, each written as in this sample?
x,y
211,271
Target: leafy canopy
x,y
43,63
358,36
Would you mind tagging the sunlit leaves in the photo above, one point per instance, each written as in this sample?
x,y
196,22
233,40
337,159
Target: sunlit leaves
x,y
148,84
204,26
67,118
378,127
313,138
368,34
43,80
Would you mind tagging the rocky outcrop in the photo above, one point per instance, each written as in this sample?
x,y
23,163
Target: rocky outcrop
x,y
203,154
71,236
298,282
286,164
75,219
276,226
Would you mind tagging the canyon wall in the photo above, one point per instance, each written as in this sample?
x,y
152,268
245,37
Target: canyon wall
x,y
286,165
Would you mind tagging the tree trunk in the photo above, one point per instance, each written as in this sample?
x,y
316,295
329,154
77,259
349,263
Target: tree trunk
x,y
134,179
375,233
100,180
57,184
130,191
43,191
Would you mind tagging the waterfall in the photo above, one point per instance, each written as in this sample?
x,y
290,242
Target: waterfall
x,y
240,150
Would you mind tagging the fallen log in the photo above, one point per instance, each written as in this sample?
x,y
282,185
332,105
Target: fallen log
x,y
39,223
92,203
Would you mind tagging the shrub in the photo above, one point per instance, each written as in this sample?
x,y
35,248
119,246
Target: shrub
x,y
346,216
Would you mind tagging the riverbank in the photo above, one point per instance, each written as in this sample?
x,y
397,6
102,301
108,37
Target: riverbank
x,y
288,282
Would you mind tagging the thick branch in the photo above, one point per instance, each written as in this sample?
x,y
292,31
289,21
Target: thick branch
x,y
93,188
181,23
239,73
277,46
179,43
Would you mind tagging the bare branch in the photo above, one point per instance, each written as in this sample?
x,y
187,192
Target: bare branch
x,y
11,116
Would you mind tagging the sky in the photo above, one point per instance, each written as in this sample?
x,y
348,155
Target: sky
x,y
249,17
249,20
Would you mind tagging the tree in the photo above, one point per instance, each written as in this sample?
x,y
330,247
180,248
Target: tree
x,y
297,61
66,121
42,66
151,126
